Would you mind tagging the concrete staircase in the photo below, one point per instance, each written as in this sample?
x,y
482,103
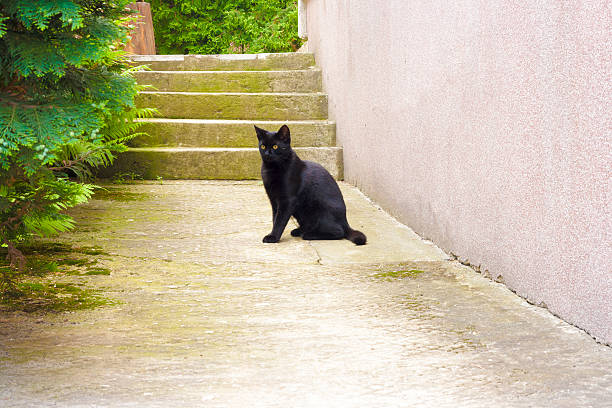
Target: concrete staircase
x,y
208,105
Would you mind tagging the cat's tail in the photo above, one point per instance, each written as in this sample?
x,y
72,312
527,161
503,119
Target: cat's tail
x,y
356,237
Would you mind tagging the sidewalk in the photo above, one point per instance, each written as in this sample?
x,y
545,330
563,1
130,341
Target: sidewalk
x,y
211,317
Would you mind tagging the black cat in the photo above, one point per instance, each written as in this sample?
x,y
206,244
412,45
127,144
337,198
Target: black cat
x,y
302,189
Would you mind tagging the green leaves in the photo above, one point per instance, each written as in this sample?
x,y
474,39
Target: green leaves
x,y
51,37
3,25
58,195
32,136
66,106
41,13
32,55
225,26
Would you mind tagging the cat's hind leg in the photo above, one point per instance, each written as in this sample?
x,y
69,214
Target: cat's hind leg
x,y
326,229
323,235
297,232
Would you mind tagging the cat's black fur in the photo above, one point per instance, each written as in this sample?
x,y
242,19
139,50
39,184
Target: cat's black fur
x,y
302,189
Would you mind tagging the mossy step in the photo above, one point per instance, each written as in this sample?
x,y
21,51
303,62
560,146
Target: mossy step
x,y
226,62
210,163
255,106
307,80
230,133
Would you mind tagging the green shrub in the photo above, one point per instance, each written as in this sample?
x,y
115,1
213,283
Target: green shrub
x,y
225,26
66,104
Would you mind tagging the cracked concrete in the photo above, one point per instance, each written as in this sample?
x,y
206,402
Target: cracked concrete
x,y
210,316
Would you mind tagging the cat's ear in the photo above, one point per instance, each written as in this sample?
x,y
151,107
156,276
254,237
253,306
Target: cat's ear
x,y
260,132
284,134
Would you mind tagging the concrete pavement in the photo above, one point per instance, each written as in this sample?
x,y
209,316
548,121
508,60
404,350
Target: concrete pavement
x,y
208,315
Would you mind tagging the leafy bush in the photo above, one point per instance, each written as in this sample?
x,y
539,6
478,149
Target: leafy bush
x,y
66,104
225,26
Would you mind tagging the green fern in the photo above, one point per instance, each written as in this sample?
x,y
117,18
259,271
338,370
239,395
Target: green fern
x,y
81,156
3,25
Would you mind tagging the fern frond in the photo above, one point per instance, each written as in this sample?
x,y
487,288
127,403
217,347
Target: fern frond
x,y
120,127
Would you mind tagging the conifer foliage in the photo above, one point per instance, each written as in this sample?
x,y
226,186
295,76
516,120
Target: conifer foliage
x,y
66,104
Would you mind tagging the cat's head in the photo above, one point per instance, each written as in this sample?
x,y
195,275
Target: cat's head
x,y
274,147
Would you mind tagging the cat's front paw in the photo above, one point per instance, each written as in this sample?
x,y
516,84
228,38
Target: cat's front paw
x,y
270,239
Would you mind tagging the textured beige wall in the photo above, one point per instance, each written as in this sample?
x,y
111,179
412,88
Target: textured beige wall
x,y
485,126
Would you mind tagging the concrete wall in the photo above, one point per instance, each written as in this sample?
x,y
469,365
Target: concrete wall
x,y
486,127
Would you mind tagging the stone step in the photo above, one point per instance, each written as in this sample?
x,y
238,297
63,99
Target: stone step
x,y
227,62
208,105
210,163
230,133
307,80
256,106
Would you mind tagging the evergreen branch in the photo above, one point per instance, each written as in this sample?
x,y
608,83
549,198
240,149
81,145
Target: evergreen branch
x,y
16,104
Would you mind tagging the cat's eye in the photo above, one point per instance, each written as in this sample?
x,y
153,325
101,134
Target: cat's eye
x,y
263,147
275,147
